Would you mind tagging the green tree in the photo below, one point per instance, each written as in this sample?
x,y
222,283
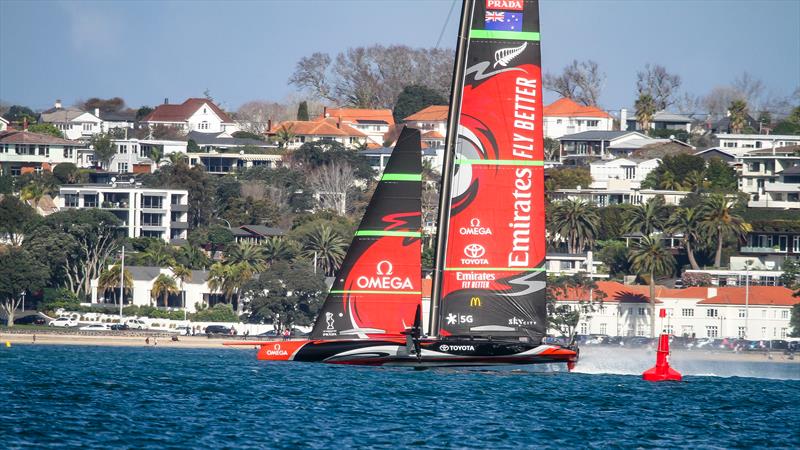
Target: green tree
x,y
143,112
288,294
192,257
194,179
721,221
182,274
738,115
645,110
67,173
104,148
415,98
18,113
278,248
721,176
687,221
649,258
46,128
552,149
302,110
109,280
794,321
19,272
157,254
248,135
163,286
16,218
576,222
791,273
326,247
192,147
568,178
219,313
648,217
284,135
221,278
248,256
614,254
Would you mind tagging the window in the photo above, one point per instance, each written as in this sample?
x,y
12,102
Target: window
x,y
151,220
687,312
753,167
783,333
122,167
68,152
558,121
90,201
151,201
584,328
603,328
87,127
71,200
687,330
763,332
712,312
123,148
202,125
740,332
642,311
640,330
785,314
669,330
712,331
592,123
742,313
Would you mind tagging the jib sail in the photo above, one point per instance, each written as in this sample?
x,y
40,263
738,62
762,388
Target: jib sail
x,y
378,288
492,279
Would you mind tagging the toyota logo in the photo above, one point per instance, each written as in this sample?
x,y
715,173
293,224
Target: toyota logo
x,y
474,250
444,347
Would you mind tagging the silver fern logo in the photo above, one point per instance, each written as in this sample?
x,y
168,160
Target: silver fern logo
x,y
505,55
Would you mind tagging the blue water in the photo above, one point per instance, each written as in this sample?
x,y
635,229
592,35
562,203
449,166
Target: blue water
x,y
102,397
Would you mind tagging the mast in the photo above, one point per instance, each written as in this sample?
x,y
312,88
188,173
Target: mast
x,y
447,164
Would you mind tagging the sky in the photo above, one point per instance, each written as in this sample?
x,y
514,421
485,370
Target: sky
x,y
145,51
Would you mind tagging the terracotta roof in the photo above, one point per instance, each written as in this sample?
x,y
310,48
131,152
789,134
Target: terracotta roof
x,y
429,114
433,134
615,293
565,107
352,115
182,112
26,137
759,295
319,127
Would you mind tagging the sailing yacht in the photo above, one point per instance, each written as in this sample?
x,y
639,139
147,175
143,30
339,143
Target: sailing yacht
x,y
487,303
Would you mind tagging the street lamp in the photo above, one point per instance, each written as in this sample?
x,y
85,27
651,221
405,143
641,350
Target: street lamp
x,y
747,264
121,284
23,300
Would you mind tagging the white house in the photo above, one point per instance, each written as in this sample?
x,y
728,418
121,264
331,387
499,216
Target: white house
x,y
325,130
3,124
144,212
432,118
374,123
26,152
732,142
74,123
195,114
564,116
771,177
621,173
196,290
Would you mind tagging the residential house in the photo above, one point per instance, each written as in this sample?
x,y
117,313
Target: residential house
x,y
194,291
255,233
26,152
586,146
74,123
217,163
208,142
3,124
564,116
662,120
724,125
144,212
379,157
621,173
771,177
431,118
195,114
374,123
717,152
572,264
627,196
746,142
616,309
324,130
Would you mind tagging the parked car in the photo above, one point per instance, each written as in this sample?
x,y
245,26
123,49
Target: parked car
x,y
637,341
183,330
34,319
136,324
778,344
270,334
120,326
217,329
63,322
95,327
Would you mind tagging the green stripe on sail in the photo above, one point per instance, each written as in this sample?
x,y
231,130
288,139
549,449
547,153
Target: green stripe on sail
x,y
401,177
495,269
510,35
388,233
500,162
377,292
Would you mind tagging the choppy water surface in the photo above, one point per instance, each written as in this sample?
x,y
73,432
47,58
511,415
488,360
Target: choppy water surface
x,y
93,397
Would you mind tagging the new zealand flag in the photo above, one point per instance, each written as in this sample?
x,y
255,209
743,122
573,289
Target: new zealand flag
x,y
503,21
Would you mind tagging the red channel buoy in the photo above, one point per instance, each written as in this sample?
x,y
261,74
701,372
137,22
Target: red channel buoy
x,y
662,371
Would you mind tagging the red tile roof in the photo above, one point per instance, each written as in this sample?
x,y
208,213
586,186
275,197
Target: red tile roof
x,y
614,293
182,112
759,295
26,137
352,115
319,127
565,107
430,114
433,134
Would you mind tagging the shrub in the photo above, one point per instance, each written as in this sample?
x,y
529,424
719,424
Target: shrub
x,y
219,313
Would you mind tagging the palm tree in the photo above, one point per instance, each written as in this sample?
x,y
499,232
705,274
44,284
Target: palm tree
x,y
33,192
220,278
669,182
686,221
163,286
157,254
649,257
276,248
696,181
193,257
109,279
719,220
248,255
738,115
647,218
284,135
577,222
327,247
182,274
645,110
176,158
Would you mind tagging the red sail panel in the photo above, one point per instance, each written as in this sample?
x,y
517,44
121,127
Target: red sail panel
x,y
493,279
379,286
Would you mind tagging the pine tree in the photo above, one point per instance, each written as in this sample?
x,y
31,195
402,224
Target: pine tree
x,y
302,111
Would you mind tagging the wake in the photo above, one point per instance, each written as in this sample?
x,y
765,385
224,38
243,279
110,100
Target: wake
x,y
620,361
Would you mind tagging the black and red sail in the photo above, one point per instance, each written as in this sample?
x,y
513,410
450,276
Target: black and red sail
x,y
493,279
378,288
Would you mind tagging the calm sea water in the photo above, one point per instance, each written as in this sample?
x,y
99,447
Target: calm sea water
x,y
95,397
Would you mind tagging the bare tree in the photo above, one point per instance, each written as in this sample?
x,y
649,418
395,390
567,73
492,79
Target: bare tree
x,y
311,73
332,183
751,89
580,81
254,116
660,84
688,104
719,99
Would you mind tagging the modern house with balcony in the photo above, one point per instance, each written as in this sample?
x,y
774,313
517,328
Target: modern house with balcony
x,y
746,142
587,146
771,177
226,163
25,152
144,212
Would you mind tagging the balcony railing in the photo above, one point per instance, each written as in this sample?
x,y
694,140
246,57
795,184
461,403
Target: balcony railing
x,y
761,250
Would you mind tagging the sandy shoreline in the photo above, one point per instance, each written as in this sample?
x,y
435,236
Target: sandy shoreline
x,y
17,338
